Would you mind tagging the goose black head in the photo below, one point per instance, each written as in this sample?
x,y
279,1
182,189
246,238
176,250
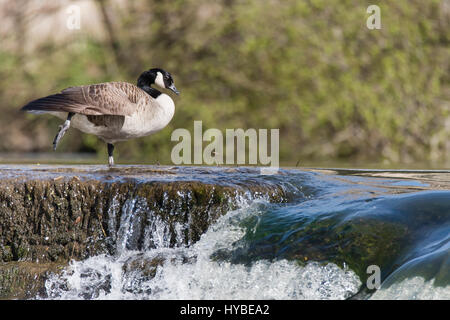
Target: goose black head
x,y
159,77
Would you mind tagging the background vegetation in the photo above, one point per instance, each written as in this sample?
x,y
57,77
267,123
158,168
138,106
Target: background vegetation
x,y
336,90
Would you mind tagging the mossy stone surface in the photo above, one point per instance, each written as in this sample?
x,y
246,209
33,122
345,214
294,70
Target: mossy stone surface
x,y
49,217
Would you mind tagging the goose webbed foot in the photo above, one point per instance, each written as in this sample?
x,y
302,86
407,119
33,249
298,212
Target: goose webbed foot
x,y
110,154
62,130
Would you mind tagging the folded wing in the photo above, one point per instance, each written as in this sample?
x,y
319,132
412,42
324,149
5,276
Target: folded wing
x,y
112,98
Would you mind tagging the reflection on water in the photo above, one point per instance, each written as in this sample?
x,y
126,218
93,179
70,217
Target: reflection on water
x,y
101,158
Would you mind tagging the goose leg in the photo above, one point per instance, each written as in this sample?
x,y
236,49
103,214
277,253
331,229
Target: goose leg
x,y
110,154
62,130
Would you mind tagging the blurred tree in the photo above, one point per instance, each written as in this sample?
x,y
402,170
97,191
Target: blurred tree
x,y
336,89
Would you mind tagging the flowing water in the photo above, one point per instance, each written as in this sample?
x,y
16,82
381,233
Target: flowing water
x,y
316,244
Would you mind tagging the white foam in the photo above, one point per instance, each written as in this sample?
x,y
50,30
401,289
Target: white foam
x,y
415,288
189,273
263,280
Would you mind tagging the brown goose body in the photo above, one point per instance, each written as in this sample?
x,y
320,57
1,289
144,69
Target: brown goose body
x,y
113,111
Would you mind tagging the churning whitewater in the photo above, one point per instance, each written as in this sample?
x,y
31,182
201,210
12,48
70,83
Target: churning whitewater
x,y
191,273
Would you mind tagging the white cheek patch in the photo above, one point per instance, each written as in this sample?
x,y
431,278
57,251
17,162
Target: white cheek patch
x,y
159,80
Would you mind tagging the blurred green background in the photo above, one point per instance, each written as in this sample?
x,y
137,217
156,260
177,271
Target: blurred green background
x,y
338,92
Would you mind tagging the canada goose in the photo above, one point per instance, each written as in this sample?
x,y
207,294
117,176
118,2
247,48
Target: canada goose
x,y
113,111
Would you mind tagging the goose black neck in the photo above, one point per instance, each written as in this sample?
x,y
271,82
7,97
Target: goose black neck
x,y
145,80
151,91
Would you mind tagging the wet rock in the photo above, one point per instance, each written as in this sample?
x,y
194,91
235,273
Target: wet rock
x,y
138,270
22,280
52,215
55,220
50,221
